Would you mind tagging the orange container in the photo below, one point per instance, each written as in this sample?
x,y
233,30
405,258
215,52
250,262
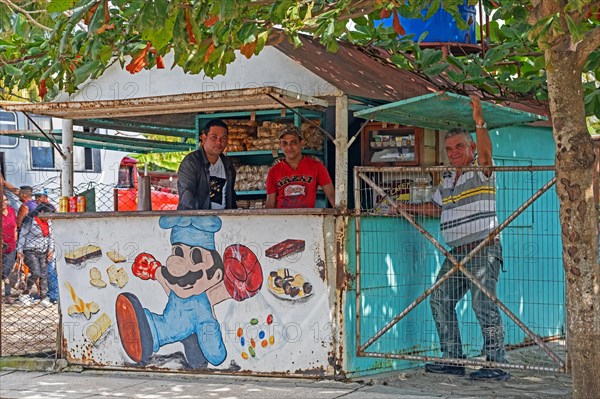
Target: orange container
x,y
81,204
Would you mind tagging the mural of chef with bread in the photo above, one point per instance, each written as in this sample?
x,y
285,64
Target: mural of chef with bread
x,y
195,278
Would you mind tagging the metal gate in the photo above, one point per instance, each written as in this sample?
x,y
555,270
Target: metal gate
x,y
398,256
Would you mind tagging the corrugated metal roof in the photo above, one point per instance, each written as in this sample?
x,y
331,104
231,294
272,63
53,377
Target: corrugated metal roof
x,y
357,71
232,100
445,111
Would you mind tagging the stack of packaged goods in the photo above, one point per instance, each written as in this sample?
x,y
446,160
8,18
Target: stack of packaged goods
x,y
268,135
251,204
313,137
251,177
242,133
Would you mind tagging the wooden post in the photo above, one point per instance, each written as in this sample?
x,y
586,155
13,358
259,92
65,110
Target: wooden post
x,y
144,194
116,199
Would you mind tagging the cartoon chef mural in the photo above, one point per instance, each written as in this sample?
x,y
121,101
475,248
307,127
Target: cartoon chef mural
x,y
195,279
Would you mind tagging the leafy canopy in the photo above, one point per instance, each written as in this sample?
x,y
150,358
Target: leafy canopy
x,y
57,45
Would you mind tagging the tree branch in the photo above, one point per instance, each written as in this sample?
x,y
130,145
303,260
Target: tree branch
x,y
13,6
27,58
590,42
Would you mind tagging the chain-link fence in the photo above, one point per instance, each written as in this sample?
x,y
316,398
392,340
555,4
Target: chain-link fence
x,y
122,196
29,324
27,329
407,271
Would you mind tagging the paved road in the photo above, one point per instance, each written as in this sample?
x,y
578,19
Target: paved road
x,y
414,383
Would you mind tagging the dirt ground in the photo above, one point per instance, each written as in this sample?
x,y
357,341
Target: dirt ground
x,y
31,330
28,330
522,384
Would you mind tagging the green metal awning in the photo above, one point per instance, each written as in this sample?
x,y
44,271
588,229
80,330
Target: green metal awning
x,y
445,111
108,142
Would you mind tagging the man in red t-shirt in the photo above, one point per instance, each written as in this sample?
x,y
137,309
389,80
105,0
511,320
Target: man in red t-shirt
x,y
293,182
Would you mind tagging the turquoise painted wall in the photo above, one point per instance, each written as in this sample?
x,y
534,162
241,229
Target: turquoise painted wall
x,y
394,272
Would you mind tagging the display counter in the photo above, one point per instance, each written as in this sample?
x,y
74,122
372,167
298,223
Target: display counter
x,y
249,291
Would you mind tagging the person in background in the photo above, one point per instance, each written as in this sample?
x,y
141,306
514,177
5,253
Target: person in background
x,y
36,247
9,246
206,177
25,194
466,203
41,197
293,182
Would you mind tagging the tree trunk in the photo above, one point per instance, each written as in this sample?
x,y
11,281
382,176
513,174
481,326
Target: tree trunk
x,y
578,218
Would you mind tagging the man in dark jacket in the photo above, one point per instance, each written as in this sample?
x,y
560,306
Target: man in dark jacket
x,y
206,177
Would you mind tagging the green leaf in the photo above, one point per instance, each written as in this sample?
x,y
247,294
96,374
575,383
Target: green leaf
x,y
247,33
436,69
106,54
433,8
83,72
473,70
261,41
5,43
21,25
455,61
495,55
592,103
575,5
397,59
541,27
520,85
228,9
279,9
332,45
455,76
423,36
61,5
12,71
430,56
574,29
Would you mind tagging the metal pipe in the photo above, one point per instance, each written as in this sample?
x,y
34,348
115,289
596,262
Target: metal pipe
x,y
303,117
341,151
67,165
481,29
467,362
423,169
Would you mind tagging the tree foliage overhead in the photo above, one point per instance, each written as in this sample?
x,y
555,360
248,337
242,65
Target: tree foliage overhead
x,y
61,43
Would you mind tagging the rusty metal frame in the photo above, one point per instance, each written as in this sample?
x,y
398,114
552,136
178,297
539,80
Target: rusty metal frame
x,y
212,101
360,173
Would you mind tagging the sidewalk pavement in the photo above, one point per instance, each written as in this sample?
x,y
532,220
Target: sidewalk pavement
x,y
413,383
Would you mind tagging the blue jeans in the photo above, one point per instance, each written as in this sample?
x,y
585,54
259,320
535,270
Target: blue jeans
x,y
8,263
52,281
37,263
485,266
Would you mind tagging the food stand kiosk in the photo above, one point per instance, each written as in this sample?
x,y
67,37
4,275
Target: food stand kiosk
x,y
279,304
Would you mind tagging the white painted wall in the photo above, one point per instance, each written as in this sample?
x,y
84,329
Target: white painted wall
x,y
303,330
269,68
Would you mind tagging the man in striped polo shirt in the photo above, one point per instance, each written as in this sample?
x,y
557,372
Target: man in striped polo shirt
x,y
466,204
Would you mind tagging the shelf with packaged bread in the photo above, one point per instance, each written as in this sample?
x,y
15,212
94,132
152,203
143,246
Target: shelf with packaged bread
x,y
254,145
396,145
263,156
